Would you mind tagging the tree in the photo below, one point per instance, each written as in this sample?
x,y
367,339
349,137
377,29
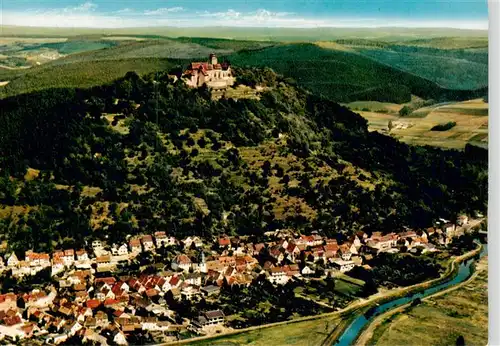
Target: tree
x,y
405,111
390,125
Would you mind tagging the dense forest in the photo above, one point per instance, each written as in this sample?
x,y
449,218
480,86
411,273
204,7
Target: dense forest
x,y
146,153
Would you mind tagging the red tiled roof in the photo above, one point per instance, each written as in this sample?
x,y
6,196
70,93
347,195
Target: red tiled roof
x,y
307,238
134,243
92,303
331,247
183,259
110,301
174,280
146,238
108,280
224,241
151,292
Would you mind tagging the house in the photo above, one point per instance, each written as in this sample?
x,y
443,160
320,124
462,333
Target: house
x,y
97,245
193,279
306,240
383,243
161,239
276,253
68,257
292,251
224,242
292,270
210,290
409,234
8,301
103,262
23,268
449,228
101,319
343,265
135,246
123,250
181,262
206,319
345,252
57,266
257,248
37,259
307,271
147,243
12,261
189,241
190,292
119,337
73,328
211,73
278,276
82,256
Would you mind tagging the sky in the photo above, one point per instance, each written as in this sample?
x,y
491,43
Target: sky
x,y
462,14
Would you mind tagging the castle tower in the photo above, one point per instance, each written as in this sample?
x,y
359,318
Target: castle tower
x,y
213,59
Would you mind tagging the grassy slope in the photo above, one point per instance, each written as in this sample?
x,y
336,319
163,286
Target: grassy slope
x,y
307,333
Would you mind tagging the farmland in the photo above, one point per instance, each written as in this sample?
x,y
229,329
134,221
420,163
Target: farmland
x,y
441,319
471,119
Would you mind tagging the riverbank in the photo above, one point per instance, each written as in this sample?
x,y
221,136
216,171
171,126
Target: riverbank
x,y
451,271
348,313
440,318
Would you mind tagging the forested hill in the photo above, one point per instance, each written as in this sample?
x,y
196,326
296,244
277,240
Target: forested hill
x,y
146,154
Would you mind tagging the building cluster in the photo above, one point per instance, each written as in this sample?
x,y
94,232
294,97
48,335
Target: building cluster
x,y
213,74
87,297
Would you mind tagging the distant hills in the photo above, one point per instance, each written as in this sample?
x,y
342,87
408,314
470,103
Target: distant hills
x,y
269,34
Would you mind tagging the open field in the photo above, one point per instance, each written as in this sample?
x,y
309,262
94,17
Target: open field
x,y
440,319
307,333
471,118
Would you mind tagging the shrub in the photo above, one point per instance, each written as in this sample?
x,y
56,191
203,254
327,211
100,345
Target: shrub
x,y
405,111
444,127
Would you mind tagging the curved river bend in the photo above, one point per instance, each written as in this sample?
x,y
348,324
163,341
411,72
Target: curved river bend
x,y
352,332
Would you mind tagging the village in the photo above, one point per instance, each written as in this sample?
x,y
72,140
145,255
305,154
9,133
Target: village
x,y
90,295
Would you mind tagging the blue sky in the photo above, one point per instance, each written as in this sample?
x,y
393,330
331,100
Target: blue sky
x,y
469,14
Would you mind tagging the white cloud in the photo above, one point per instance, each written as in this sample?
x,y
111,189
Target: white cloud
x,y
85,7
163,11
124,11
86,15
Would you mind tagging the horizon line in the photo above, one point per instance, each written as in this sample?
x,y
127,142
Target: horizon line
x,y
245,27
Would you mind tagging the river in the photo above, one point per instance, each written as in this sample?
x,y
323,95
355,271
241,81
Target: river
x,y
352,332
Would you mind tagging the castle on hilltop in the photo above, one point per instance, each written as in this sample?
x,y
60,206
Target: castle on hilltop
x,y
211,73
